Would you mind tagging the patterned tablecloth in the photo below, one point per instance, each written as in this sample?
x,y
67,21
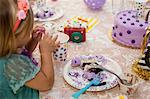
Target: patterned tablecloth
x,y
98,42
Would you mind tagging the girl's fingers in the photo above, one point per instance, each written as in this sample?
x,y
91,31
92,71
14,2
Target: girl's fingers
x,y
39,36
57,43
39,28
34,35
35,30
45,36
51,40
55,38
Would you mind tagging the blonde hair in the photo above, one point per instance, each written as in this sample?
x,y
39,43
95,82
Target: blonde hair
x,y
7,20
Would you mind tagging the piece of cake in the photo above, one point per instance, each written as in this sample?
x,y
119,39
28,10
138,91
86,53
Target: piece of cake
x,y
91,65
44,13
128,30
88,67
40,14
87,60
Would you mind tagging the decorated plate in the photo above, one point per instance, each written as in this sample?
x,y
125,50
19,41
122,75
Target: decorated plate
x,y
47,13
77,76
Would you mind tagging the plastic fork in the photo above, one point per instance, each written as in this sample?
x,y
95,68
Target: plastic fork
x,y
95,81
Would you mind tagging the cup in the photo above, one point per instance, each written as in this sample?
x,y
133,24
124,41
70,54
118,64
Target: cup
x,y
131,88
60,54
140,6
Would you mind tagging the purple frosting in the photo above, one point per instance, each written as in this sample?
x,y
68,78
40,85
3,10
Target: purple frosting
x,y
88,75
44,14
128,29
76,62
40,15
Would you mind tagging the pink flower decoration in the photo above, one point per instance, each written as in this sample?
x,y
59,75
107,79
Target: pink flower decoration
x,y
21,14
23,5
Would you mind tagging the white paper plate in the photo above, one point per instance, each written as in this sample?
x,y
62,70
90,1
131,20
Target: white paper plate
x,y
58,14
111,80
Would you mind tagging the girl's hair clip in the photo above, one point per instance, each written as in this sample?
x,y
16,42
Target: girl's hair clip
x,y
23,7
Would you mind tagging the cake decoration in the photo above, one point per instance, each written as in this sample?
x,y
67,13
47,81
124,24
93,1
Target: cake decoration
x,y
75,62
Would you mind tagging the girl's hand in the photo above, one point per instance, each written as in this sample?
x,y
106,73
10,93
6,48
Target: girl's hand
x,y
37,33
48,44
36,37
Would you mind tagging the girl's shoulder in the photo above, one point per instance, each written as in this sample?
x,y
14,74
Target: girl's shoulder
x,y
15,71
17,59
19,69
13,57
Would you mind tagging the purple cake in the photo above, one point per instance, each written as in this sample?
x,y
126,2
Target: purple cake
x,y
128,30
91,65
46,13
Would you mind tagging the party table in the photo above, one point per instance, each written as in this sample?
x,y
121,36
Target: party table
x,y
98,43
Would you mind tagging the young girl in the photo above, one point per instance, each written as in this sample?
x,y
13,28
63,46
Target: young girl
x,y
20,78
